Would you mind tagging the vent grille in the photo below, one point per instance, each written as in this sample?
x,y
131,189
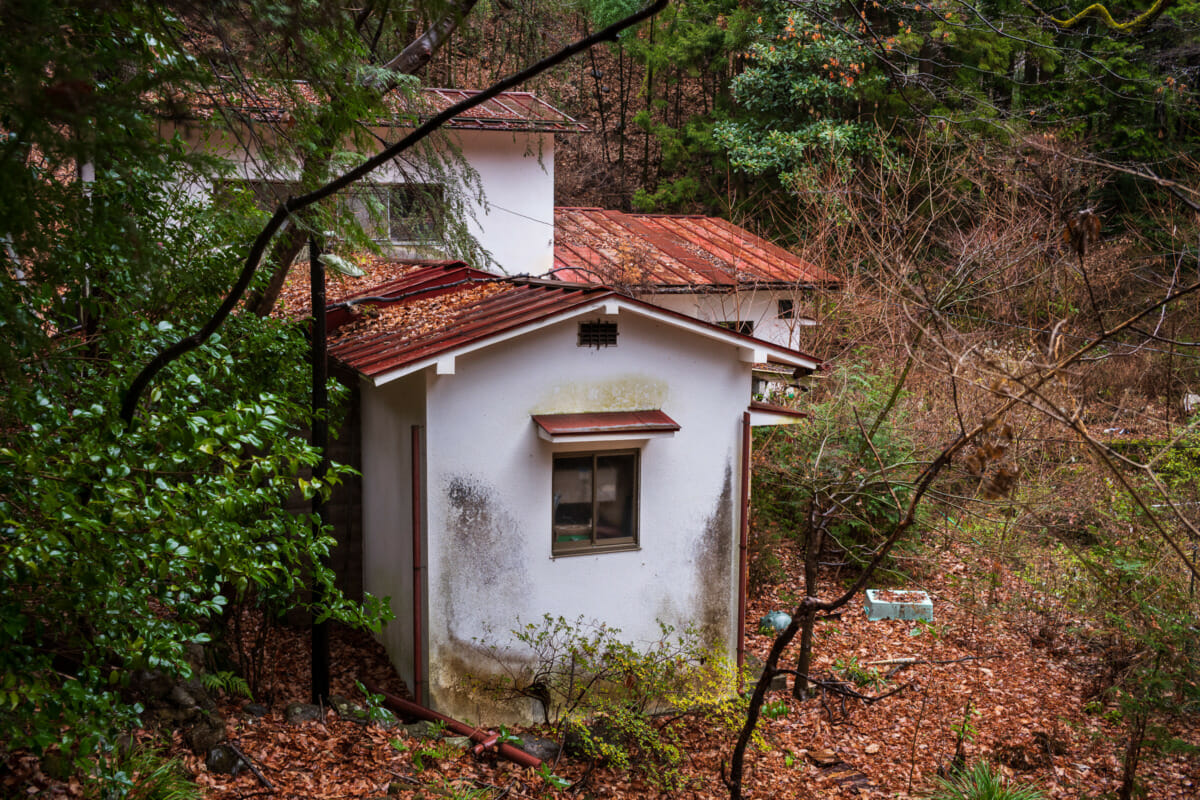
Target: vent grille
x,y
597,334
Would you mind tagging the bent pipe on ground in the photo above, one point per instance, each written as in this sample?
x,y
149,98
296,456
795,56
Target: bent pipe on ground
x,y
484,739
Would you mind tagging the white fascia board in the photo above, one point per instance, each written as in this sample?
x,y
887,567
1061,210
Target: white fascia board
x,y
757,349
752,355
760,418
630,436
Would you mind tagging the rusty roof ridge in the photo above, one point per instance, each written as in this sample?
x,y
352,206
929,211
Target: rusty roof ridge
x,y
432,287
395,298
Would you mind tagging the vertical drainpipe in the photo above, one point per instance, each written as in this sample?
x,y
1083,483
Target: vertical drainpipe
x,y
743,543
320,442
418,573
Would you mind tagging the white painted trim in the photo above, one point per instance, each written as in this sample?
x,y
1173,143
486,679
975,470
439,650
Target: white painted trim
x,y
760,418
631,436
759,352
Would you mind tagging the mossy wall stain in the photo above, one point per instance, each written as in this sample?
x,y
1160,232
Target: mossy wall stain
x,y
714,564
483,565
622,393
466,677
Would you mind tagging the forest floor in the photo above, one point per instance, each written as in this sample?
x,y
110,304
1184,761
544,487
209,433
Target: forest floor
x,y
1017,683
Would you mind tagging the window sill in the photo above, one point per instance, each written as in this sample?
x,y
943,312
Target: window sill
x,y
595,550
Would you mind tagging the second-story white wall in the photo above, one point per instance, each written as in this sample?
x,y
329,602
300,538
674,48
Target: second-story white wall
x,y
505,180
515,222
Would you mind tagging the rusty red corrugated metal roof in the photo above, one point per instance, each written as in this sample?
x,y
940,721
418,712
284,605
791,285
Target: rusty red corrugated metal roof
x,y
648,421
430,309
509,111
657,251
438,308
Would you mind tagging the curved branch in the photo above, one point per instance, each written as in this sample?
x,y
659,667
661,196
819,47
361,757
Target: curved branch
x,y
1100,11
164,357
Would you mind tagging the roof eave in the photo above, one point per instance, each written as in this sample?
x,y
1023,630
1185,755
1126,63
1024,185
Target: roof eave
x,y
750,350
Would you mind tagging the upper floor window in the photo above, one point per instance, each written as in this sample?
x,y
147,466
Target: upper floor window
x,y
408,212
401,213
787,308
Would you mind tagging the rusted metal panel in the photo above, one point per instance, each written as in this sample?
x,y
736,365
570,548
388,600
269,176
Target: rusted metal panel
x,y
423,310
435,309
507,111
653,251
648,421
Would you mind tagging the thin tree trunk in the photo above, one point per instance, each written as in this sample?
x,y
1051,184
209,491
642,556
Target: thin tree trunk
x,y
812,555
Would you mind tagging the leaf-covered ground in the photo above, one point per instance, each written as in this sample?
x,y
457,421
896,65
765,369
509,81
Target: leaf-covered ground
x,y
1014,682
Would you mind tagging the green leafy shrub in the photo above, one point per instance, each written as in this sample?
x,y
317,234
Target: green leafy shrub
x,y
605,695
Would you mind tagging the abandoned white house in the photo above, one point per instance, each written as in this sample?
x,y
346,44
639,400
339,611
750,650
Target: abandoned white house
x,y
531,447
495,164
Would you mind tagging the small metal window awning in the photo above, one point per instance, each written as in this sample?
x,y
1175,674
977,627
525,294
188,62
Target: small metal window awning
x,y
605,426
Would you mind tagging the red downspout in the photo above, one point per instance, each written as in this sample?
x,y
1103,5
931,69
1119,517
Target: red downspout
x,y
418,610
744,543
484,738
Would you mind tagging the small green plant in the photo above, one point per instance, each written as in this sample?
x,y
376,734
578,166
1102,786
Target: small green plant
x,y
507,737
227,682
775,709
430,754
936,630
550,779
848,669
965,730
462,790
141,774
374,706
981,782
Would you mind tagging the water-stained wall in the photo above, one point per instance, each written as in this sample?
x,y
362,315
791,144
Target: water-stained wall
x,y
489,496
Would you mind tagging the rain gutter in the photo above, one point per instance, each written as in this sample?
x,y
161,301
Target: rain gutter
x,y
744,542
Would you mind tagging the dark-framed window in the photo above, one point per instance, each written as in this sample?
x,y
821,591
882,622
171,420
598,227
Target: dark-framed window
x,y
787,308
398,212
595,501
406,212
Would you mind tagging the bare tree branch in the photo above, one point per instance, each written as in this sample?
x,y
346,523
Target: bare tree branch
x,y
292,205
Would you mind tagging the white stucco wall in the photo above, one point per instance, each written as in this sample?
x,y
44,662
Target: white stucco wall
x,y
388,414
516,221
759,306
489,496
509,200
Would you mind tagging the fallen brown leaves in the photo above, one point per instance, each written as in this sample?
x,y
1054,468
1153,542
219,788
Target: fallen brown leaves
x,y
1026,716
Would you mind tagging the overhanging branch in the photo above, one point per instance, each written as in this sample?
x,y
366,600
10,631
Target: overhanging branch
x,y
165,356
